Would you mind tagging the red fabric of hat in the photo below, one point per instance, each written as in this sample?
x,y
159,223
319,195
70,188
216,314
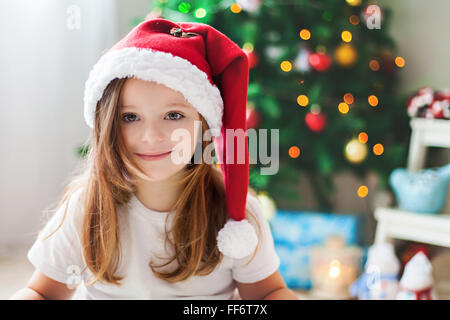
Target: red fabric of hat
x,y
212,72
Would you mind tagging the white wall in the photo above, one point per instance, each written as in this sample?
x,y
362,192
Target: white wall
x,y
129,9
421,31
44,65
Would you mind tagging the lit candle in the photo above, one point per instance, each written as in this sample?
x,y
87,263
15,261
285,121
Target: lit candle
x,y
333,268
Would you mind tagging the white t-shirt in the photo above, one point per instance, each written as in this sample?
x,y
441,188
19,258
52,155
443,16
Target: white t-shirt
x,y
142,235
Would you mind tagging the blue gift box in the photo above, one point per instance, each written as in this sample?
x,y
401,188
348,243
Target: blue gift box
x,y
295,233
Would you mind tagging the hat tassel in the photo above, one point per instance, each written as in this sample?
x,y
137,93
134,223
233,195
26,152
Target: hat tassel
x,y
237,239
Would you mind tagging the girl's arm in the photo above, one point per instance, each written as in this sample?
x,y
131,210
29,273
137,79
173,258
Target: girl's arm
x,y
26,294
271,288
41,287
282,294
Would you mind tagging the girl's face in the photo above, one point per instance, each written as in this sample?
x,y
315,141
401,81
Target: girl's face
x,y
149,114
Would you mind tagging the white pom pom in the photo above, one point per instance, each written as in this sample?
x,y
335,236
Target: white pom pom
x,y
237,239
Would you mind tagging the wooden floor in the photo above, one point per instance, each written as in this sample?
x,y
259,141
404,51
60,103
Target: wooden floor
x,y
16,270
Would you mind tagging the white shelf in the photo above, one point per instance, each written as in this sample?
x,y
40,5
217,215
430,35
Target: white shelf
x,y
426,133
427,228
399,224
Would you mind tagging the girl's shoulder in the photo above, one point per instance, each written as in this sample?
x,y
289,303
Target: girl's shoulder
x,y
252,192
252,198
71,209
254,205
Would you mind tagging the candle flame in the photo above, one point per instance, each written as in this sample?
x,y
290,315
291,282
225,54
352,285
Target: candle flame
x,y
335,269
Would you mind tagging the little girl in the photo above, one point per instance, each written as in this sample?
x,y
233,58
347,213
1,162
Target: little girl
x,y
137,223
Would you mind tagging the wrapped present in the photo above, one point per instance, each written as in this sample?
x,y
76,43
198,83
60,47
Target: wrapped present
x,y
294,266
295,233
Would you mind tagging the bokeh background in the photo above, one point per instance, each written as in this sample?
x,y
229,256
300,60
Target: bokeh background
x,y
49,47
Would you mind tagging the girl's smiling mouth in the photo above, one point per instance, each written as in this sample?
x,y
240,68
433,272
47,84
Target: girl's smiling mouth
x,y
153,157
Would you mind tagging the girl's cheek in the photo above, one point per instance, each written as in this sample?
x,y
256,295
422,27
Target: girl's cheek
x,y
131,136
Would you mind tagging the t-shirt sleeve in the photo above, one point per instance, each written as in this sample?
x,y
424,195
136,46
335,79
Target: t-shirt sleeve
x,y
60,256
266,261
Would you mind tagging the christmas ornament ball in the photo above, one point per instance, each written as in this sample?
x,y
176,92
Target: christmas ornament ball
x,y
253,118
320,61
253,59
345,55
316,121
355,151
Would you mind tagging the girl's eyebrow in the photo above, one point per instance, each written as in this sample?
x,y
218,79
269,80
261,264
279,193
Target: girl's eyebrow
x,y
181,104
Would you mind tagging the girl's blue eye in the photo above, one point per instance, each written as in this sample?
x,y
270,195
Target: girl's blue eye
x,y
126,115
176,113
129,117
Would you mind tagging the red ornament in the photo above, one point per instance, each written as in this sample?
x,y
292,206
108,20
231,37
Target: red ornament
x,y
253,59
253,118
320,61
387,62
316,122
387,66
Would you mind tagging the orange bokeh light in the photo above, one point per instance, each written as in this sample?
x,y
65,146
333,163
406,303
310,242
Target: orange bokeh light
x,y
373,100
294,152
348,98
354,20
363,191
363,137
374,65
343,107
235,8
378,149
400,62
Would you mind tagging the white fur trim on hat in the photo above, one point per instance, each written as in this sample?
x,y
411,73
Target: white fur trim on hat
x,y
164,68
237,239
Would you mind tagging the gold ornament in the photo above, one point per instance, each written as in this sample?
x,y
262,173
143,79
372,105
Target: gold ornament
x,y
345,55
355,151
354,3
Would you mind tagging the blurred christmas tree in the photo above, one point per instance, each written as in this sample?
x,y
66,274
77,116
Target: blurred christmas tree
x,y
325,74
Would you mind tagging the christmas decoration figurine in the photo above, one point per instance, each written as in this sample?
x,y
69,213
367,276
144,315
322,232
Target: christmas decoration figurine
x,y
417,280
426,103
380,278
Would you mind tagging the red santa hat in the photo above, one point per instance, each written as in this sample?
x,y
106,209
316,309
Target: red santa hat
x,y
211,71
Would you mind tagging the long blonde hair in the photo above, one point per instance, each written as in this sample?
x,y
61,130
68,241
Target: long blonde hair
x,y
108,179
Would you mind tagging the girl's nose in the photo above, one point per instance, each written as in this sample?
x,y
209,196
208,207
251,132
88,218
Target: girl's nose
x,y
153,133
